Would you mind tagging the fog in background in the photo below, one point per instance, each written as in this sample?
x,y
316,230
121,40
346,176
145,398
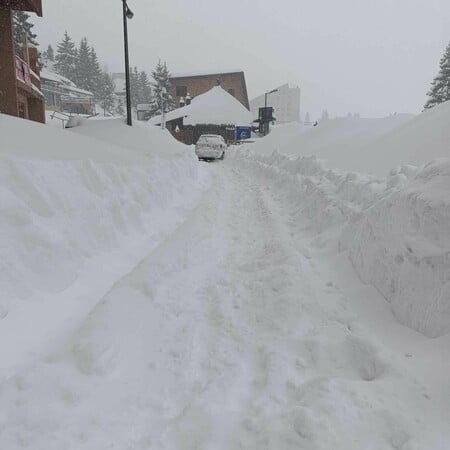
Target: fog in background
x,y
366,56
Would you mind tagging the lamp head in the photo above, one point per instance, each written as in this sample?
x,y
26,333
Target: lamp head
x,y
129,13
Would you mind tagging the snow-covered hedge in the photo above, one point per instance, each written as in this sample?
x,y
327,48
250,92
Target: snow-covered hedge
x,y
394,229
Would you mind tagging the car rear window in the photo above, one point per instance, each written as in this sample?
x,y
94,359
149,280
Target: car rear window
x,y
210,140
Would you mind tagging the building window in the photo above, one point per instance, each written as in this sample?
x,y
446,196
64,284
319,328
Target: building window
x,y
49,99
231,92
181,91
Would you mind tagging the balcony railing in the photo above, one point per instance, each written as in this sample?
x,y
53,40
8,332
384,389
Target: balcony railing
x,y
23,71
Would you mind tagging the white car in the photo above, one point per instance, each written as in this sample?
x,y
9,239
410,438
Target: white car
x,y
210,147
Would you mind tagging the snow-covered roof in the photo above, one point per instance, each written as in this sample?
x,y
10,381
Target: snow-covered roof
x,y
79,91
55,77
65,82
204,73
216,107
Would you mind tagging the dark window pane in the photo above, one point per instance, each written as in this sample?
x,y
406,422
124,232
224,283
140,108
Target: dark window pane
x,y
181,91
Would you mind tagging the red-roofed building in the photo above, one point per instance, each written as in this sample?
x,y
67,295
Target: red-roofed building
x,y
20,85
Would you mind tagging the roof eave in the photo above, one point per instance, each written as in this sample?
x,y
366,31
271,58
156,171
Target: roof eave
x,y
24,5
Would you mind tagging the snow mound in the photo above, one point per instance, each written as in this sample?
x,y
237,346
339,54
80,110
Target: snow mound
x,y
367,145
68,201
395,228
337,141
417,141
401,245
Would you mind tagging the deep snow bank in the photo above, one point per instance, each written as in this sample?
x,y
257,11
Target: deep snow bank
x,y
367,145
395,229
401,245
66,197
396,226
336,141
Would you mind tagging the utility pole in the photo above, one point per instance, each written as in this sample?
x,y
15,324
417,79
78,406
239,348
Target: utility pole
x,y
127,14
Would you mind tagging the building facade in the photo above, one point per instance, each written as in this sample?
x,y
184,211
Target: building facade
x,y
20,84
62,95
285,102
194,84
213,112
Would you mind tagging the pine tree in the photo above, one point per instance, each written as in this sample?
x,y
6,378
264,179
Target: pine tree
x,y
161,85
48,57
66,57
134,87
50,53
106,95
23,28
82,66
96,76
120,107
325,115
440,86
145,90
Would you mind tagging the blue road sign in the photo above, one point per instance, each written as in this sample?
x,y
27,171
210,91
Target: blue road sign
x,y
243,133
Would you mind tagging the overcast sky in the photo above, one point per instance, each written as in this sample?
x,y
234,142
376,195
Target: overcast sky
x,y
374,57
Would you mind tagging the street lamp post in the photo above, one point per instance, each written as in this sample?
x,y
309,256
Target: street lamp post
x,y
127,14
266,94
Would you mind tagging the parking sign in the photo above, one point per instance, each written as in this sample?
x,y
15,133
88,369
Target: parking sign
x,y
243,133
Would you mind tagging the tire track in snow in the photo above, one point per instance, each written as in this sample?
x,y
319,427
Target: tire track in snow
x,y
225,337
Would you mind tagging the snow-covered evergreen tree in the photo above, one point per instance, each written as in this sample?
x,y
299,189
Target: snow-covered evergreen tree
x,y
50,53
307,118
81,75
440,86
22,27
66,57
48,57
134,87
120,106
160,88
96,76
325,115
106,96
145,90
140,87
88,74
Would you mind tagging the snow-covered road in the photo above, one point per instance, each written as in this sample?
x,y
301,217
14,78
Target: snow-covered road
x,y
241,330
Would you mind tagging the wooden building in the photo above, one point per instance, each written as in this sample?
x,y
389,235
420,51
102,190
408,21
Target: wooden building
x,y
20,87
63,95
195,84
214,112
